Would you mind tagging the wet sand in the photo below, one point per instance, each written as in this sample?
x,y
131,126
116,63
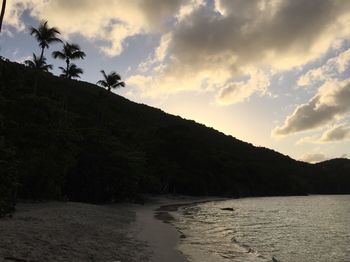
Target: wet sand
x,y
67,231
154,221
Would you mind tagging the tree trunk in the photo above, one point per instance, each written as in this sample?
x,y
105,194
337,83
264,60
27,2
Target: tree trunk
x,y
67,69
2,13
42,53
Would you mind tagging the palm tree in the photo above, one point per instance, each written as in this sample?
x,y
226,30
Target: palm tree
x,y
38,64
112,80
69,52
2,14
45,36
72,72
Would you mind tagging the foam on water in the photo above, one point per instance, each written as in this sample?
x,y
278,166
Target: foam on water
x,y
308,229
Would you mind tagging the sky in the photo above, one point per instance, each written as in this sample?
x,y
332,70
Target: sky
x,y
274,73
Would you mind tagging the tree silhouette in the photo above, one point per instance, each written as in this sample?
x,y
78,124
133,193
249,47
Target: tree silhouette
x,y
72,72
2,14
38,64
45,36
69,52
112,80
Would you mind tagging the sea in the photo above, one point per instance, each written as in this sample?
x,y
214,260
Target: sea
x,y
285,229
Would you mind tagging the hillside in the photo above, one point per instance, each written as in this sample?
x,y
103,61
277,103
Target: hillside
x,y
332,176
66,139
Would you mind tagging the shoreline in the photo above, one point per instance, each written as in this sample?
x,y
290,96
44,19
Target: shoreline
x,y
70,231
156,227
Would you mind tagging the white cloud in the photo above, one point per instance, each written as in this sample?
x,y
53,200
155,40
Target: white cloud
x,y
337,133
312,76
235,92
330,70
331,103
140,81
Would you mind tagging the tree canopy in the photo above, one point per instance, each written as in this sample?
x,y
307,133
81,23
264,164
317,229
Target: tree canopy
x,y
45,35
53,146
38,64
68,53
112,80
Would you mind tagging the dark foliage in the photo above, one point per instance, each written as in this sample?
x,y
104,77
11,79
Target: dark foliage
x,y
8,178
74,140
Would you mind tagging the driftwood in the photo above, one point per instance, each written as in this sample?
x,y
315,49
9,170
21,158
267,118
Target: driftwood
x,y
228,209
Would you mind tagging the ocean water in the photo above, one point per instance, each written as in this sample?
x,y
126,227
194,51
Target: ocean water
x,y
290,229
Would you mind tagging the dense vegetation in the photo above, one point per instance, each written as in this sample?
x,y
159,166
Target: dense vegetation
x,y
65,139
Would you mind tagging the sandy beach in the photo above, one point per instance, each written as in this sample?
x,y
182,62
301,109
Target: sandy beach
x,y
70,232
66,231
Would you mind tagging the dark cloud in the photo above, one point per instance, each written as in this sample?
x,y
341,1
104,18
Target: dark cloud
x,y
235,38
251,33
157,10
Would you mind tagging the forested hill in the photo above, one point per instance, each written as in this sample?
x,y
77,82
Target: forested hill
x,y
66,139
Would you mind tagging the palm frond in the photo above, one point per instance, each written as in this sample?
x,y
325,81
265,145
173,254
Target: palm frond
x,y
112,80
72,72
74,69
34,31
45,35
70,52
38,64
102,83
58,54
46,68
104,74
54,40
118,84
116,76
73,47
78,55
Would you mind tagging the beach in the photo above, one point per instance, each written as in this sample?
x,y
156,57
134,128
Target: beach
x,y
67,231
70,232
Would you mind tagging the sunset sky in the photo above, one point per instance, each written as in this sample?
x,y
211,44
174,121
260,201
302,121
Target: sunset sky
x,y
270,72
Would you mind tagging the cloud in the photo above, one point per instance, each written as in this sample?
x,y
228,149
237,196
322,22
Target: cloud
x,y
212,47
313,76
109,20
235,92
314,158
332,102
140,81
336,134
204,46
281,34
330,70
